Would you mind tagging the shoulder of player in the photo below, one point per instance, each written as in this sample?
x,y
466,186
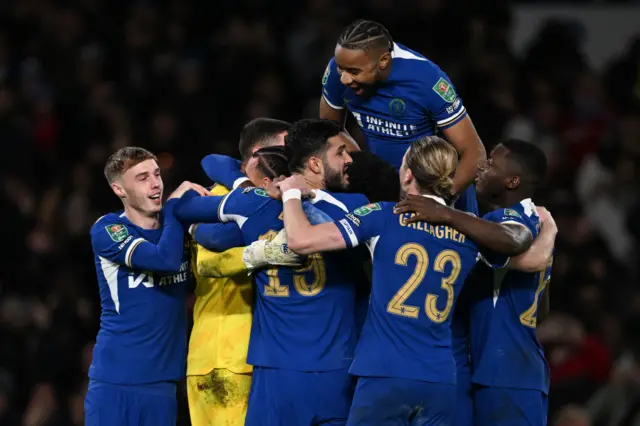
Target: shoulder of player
x,y
112,228
108,219
343,200
252,197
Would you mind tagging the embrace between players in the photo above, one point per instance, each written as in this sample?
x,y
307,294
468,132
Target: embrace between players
x,y
290,325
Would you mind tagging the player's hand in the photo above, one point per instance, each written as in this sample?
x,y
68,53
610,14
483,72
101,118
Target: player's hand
x,y
296,182
425,209
545,217
273,189
186,186
275,252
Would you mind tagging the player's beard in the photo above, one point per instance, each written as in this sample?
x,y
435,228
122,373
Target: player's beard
x,y
334,179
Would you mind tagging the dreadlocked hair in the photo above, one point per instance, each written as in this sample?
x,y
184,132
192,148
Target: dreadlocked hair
x,y
365,35
273,161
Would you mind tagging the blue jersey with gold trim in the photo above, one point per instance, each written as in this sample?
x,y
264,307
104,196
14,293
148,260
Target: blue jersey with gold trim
x,y
418,271
415,100
304,319
143,324
504,347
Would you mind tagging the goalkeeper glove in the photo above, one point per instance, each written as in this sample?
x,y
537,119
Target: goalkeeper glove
x,y
275,252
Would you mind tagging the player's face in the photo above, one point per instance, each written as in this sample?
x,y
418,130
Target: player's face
x,y
491,178
336,163
141,187
360,70
254,173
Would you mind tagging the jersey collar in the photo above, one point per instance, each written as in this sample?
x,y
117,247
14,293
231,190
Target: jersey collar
x,y
529,207
437,199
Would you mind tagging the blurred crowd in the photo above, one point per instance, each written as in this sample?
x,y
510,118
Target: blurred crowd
x,y
80,79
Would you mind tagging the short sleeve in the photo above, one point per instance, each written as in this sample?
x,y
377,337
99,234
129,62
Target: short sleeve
x,y
362,224
114,241
442,102
504,216
332,88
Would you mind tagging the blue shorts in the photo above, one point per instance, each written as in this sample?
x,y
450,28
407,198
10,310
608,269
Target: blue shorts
x,y
288,397
506,407
130,405
389,401
463,415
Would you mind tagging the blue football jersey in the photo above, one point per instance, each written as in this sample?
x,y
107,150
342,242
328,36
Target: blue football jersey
x,y
143,324
504,347
417,99
418,271
304,319
467,202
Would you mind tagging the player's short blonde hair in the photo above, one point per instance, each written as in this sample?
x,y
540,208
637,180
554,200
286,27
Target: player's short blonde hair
x,y
433,162
124,159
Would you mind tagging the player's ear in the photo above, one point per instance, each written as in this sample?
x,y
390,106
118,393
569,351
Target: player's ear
x,y
408,177
513,182
384,61
118,189
315,165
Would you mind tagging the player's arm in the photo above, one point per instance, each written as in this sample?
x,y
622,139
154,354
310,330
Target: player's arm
x,y
446,108
508,238
304,238
464,137
224,170
258,254
200,209
332,105
217,236
115,242
225,264
539,254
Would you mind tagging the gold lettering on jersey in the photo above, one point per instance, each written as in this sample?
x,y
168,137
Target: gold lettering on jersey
x,y
438,231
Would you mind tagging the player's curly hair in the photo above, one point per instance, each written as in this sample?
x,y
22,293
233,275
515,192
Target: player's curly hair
x,y
433,162
372,176
273,161
307,138
365,35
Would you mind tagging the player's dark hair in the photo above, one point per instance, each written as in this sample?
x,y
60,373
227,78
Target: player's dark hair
x,y
124,159
308,137
433,162
372,176
365,35
272,161
260,132
531,160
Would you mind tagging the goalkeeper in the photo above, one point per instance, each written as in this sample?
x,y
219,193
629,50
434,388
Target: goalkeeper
x,y
218,376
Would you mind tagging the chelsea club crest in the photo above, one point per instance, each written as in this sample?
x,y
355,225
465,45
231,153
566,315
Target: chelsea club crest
x,y
397,107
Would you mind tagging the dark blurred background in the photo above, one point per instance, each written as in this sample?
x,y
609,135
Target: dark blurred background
x,y
80,79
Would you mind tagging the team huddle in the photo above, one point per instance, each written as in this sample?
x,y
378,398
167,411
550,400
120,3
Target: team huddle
x,y
391,275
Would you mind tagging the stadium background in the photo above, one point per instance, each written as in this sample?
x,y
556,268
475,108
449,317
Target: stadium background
x,y
79,79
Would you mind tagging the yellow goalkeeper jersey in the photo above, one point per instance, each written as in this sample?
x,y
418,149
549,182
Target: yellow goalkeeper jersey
x,y
222,311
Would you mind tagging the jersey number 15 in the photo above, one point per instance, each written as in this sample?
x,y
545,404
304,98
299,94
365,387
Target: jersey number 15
x,y
314,263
